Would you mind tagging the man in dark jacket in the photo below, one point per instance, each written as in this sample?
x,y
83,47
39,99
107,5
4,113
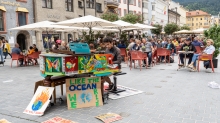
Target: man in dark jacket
x,y
196,42
191,47
115,51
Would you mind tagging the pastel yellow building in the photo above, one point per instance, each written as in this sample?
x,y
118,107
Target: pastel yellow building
x,y
198,19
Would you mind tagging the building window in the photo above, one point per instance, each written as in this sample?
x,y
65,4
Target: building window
x,y
153,17
200,18
69,5
134,2
119,1
131,12
131,2
125,12
139,3
22,20
47,4
145,5
192,19
124,1
196,24
98,7
80,5
205,18
196,19
153,7
119,11
200,24
192,24
197,13
1,21
189,19
90,4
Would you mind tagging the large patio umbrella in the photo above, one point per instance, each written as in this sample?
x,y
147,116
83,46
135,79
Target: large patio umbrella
x,y
183,32
200,30
121,25
42,26
141,27
88,21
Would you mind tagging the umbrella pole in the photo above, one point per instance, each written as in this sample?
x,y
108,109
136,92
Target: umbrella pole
x,y
47,40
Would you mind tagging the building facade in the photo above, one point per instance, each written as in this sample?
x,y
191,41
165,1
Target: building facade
x,y
14,13
135,7
215,19
60,10
198,19
176,7
173,17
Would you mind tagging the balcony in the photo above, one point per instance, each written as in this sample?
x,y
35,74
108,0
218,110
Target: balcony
x,y
112,3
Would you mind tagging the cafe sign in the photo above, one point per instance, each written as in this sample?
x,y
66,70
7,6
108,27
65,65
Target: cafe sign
x,y
10,3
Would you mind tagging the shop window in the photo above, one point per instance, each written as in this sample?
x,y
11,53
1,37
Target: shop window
x,y
2,28
47,4
69,5
90,4
99,7
22,18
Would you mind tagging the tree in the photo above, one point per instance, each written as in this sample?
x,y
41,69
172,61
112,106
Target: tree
x,y
170,28
132,18
185,27
110,16
158,29
213,33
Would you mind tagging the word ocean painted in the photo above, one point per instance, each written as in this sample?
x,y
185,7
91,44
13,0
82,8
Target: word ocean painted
x,y
83,92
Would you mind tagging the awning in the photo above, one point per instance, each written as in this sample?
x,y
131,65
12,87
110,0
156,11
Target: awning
x,y
20,9
2,8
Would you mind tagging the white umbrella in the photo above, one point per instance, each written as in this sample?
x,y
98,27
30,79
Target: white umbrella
x,y
122,25
200,30
141,27
88,21
183,32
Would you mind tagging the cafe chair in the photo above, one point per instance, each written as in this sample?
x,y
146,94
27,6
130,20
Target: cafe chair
x,y
124,54
163,52
206,57
16,57
137,56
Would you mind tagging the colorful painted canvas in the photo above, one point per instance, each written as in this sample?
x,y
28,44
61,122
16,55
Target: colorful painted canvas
x,y
53,64
83,92
58,120
98,64
71,64
40,101
109,117
4,121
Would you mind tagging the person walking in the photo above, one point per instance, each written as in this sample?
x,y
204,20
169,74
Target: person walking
x,y
7,49
1,51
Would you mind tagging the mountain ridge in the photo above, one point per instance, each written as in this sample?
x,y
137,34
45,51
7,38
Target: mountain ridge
x,y
210,6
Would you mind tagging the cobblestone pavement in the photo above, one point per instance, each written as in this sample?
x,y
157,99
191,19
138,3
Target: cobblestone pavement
x,y
170,96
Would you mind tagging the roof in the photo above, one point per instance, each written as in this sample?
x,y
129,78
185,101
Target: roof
x,y
196,13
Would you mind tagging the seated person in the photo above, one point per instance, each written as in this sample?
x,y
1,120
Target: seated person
x,y
35,48
63,46
31,50
188,44
16,50
149,49
208,50
195,42
111,49
92,48
121,44
137,46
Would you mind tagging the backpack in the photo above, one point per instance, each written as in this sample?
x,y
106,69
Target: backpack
x,y
171,60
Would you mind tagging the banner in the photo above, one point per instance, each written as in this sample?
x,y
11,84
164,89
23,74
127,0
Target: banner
x,y
58,120
83,92
109,117
40,101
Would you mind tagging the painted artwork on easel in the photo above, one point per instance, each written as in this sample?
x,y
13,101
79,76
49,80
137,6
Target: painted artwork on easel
x,y
91,63
53,64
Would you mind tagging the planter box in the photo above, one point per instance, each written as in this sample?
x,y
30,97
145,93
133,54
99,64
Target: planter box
x,y
215,63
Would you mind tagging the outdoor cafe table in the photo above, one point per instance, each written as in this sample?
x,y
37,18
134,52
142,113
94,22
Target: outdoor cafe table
x,y
185,53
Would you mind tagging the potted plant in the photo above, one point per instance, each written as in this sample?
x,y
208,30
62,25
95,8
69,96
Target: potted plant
x,y
186,48
143,48
213,33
